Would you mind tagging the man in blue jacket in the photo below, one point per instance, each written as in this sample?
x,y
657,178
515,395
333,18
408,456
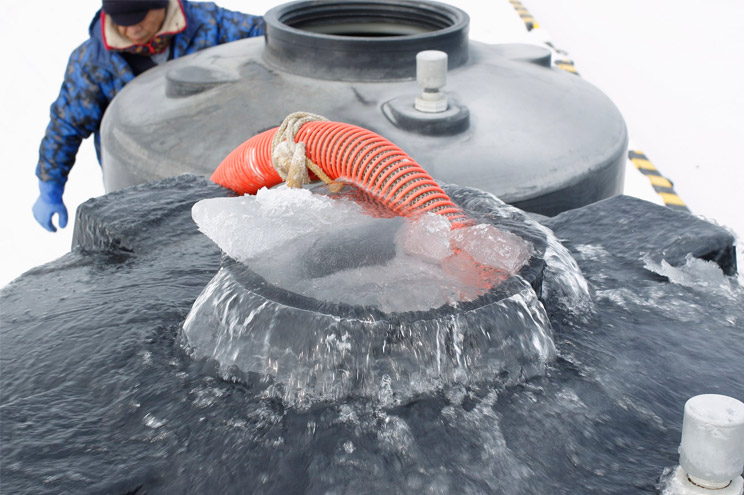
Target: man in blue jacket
x,y
127,37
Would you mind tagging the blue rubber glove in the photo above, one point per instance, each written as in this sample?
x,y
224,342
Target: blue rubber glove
x,y
49,203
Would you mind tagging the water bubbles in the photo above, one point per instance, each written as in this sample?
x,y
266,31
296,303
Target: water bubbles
x,y
338,345
590,252
152,422
385,392
456,394
348,415
395,436
147,358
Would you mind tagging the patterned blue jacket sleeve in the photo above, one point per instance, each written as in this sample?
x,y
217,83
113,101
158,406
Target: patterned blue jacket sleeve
x,y
235,26
93,77
75,115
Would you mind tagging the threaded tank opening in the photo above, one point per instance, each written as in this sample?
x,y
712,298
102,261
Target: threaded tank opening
x,y
369,19
362,40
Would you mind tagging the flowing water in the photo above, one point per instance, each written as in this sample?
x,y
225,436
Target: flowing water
x,y
336,302
103,390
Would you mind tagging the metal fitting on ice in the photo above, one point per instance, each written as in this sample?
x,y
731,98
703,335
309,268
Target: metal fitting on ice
x,y
711,447
431,76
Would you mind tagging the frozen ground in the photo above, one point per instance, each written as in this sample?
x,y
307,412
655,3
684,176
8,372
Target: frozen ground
x,y
675,69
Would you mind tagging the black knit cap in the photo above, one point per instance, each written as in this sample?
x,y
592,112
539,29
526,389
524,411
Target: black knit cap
x,y
130,12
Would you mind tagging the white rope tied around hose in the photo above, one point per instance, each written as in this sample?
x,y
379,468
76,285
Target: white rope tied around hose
x,y
289,158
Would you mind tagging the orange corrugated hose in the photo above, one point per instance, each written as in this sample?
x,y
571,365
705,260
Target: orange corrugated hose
x,y
345,153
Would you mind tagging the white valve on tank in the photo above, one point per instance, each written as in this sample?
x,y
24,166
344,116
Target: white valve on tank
x,y
711,447
431,76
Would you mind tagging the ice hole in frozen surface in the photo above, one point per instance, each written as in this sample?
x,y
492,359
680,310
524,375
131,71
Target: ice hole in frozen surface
x,y
333,249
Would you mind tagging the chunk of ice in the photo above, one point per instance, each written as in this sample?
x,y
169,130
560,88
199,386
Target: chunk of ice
x,y
247,226
695,273
427,236
492,247
329,249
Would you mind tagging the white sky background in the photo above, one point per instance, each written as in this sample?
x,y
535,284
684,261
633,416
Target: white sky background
x,y
674,68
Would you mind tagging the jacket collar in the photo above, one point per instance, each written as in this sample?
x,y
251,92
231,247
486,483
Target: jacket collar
x,y
175,22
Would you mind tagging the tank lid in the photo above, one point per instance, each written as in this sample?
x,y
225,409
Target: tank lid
x,y
347,40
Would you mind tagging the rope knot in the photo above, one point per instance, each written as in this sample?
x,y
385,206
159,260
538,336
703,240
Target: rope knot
x,y
289,158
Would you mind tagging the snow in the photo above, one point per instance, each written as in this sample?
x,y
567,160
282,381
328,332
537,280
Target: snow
x,y
674,69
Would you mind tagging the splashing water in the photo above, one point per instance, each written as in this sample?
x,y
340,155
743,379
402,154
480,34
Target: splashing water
x,y
328,309
317,355
563,282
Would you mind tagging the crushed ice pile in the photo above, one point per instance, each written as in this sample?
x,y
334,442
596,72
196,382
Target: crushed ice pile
x,y
330,249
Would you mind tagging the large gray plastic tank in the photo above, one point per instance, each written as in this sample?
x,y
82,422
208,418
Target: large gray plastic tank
x,y
537,137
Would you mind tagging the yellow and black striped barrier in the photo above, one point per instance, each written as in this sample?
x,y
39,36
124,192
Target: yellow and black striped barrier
x,y
566,65
661,185
524,15
563,63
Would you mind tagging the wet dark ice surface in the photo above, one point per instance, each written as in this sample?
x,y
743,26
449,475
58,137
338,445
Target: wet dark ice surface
x,y
98,396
